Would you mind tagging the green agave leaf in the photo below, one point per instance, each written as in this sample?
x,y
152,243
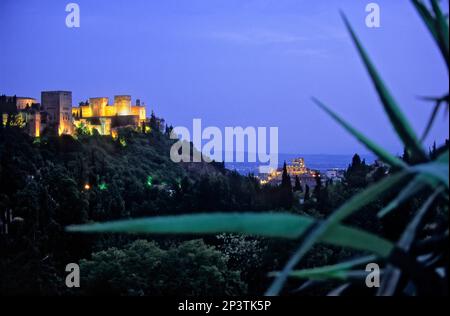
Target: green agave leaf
x,y
393,274
282,225
367,196
350,207
339,271
399,121
442,29
435,170
409,234
413,187
342,275
427,18
376,149
437,25
431,120
264,224
345,236
432,174
444,157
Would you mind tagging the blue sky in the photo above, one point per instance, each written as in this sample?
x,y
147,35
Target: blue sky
x,y
231,63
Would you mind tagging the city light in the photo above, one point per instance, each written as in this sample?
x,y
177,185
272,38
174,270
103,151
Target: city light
x,y
122,142
149,182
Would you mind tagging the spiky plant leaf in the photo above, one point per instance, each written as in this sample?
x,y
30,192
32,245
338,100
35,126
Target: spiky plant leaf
x,y
339,271
444,157
351,206
438,103
431,120
442,29
376,149
412,188
409,234
396,116
393,274
427,18
434,171
437,25
432,174
282,225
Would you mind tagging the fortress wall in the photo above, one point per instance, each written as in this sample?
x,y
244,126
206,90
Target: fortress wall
x,y
123,104
139,111
98,106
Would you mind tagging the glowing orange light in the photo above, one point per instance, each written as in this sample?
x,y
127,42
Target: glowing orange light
x,y
87,186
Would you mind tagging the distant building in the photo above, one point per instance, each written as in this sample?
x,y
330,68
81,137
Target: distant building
x,y
57,106
31,120
296,169
336,175
20,103
105,118
22,112
23,103
57,114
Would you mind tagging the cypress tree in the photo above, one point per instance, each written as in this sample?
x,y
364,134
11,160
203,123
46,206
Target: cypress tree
x,y
297,185
285,178
286,198
307,195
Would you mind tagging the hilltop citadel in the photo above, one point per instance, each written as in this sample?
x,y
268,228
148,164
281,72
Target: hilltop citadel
x,y
56,113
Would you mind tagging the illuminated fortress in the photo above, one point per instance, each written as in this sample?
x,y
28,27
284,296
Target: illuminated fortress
x,y
105,118
55,113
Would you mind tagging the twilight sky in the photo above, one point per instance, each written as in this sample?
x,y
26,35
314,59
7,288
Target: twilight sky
x,y
231,63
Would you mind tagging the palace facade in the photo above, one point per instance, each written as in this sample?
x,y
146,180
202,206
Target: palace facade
x,y
56,113
99,114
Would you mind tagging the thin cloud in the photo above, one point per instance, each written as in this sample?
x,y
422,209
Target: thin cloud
x,y
287,43
258,37
306,52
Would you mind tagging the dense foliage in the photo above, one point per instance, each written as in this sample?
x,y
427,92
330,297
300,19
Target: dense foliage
x,y
143,268
43,182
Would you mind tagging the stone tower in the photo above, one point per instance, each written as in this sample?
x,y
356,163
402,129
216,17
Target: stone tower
x,y
58,105
123,104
